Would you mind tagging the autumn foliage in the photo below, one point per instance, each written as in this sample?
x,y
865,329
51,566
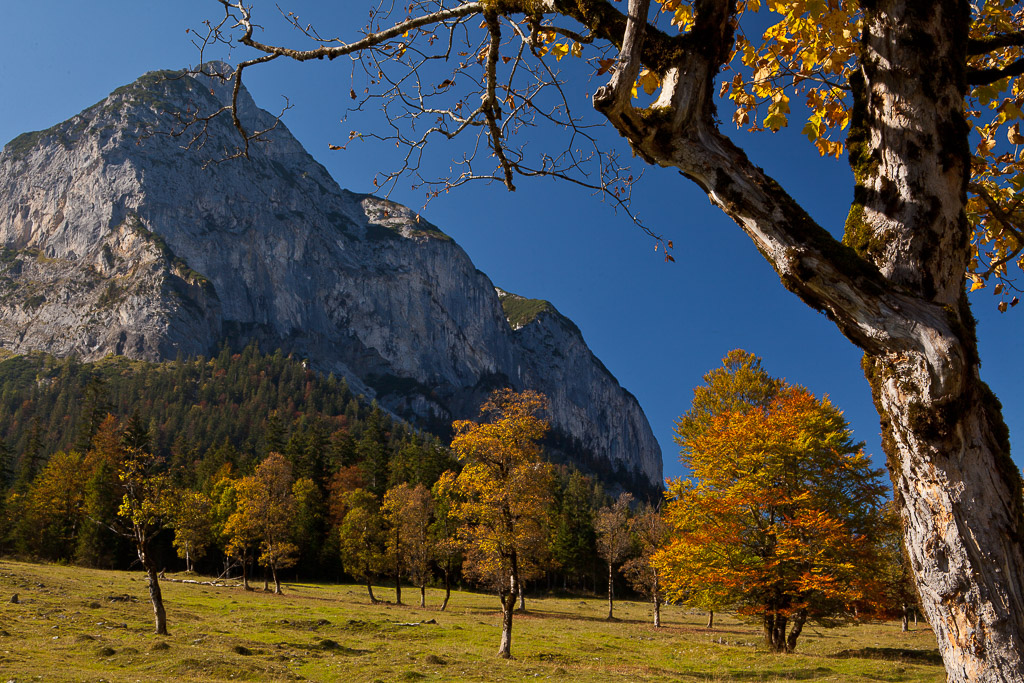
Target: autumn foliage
x,y
778,519
506,492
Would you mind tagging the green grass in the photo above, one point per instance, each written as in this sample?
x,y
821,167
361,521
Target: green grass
x,y
75,624
521,311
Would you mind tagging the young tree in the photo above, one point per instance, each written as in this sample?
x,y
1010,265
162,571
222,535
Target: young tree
x,y
191,517
649,535
910,83
780,517
265,512
362,538
407,510
614,541
143,513
447,549
507,493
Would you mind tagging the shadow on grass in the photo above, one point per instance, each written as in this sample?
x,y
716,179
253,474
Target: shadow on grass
x,y
892,654
808,674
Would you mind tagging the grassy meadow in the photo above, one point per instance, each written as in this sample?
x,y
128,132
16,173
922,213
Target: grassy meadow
x,y
73,624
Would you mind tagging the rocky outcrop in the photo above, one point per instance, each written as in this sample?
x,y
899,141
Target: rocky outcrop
x,y
117,239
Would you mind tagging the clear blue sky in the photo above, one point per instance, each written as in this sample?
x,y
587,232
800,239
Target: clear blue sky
x,y
657,326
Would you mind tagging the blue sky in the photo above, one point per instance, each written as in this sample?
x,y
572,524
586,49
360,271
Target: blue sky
x,y
657,326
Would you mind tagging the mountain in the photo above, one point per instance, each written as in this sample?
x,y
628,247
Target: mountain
x,y
116,239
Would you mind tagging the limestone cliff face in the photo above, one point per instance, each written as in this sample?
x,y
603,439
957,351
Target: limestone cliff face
x,y
115,239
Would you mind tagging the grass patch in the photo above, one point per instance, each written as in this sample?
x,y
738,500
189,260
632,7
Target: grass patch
x,y
66,621
521,311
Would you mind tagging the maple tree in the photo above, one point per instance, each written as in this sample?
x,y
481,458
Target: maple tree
x,y
614,541
650,533
444,531
506,495
191,517
779,518
406,510
265,508
143,512
362,538
905,89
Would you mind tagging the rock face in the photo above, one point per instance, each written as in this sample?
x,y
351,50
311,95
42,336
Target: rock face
x,y
117,240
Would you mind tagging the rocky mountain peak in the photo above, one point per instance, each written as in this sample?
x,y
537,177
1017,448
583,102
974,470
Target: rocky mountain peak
x,y
118,237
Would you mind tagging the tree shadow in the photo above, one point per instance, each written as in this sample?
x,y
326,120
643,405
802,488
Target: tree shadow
x,y
892,654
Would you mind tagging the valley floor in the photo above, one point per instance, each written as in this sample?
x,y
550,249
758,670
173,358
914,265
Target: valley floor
x,y
72,624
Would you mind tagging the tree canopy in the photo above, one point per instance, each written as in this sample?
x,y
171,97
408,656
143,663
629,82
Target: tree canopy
x,y
779,518
506,495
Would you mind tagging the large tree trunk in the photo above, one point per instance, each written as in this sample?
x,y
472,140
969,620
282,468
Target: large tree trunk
x,y
369,589
895,288
711,619
794,632
775,631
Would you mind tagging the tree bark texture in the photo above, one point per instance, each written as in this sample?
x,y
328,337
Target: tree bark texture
x,y
159,615
895,287
153,577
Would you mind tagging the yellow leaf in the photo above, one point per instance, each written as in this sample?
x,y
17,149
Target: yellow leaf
x,y
649,81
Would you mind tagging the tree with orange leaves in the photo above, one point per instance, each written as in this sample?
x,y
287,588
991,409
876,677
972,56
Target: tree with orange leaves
x,y
779,517
506,493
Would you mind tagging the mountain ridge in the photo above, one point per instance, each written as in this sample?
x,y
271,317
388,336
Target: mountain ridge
x,y
116,240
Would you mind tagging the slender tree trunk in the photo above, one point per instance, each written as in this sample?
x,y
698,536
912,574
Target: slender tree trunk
x,y
398,589
277,582
155,596
369,589
711,619
245,575
153,577
522,599
905,620
423,595
611,588
447,589
508,605
657,601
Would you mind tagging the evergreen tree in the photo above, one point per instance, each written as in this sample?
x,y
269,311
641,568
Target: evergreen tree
x,y
97,545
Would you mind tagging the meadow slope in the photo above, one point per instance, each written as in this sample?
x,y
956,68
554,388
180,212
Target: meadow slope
x,y
72,624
